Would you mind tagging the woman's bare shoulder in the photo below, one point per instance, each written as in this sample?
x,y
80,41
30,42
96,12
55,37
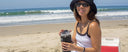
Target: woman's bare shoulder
x,y
94,24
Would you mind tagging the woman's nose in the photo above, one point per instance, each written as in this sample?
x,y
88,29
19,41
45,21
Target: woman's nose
x,y
81,6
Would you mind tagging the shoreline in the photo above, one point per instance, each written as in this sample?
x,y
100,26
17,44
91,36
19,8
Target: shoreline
x,y
39,22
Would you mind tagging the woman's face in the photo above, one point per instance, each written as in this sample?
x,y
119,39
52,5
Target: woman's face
x,y
83,8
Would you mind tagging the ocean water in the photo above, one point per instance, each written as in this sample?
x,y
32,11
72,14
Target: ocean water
x,y
12,17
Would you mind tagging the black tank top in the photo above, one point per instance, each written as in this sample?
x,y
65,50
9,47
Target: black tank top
x,y
85,32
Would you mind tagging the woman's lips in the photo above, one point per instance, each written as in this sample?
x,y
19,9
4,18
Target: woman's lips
x,y
81,11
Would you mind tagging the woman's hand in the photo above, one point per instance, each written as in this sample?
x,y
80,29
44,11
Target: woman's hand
x,y
68,46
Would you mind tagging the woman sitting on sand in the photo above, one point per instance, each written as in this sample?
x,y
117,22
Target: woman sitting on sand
x,y
87,32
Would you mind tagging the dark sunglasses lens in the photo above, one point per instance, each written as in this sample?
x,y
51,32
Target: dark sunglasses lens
x,y
78,4
83,4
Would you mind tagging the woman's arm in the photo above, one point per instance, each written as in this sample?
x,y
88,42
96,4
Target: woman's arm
x,y
95,33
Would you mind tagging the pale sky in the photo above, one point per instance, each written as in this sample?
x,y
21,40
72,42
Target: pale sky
x,y
19,4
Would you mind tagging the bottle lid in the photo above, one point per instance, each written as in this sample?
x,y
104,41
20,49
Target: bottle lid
x,y
65,33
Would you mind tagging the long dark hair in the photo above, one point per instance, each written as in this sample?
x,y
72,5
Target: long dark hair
x,y
90,16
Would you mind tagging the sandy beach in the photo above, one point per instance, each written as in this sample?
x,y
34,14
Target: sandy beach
x,y
45,38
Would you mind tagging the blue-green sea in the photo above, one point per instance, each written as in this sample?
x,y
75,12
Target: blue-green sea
x,y
28,16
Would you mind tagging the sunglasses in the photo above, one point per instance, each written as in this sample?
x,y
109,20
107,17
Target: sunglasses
x,y
83,4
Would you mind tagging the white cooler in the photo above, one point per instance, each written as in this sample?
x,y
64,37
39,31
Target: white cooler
x,y
109,44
